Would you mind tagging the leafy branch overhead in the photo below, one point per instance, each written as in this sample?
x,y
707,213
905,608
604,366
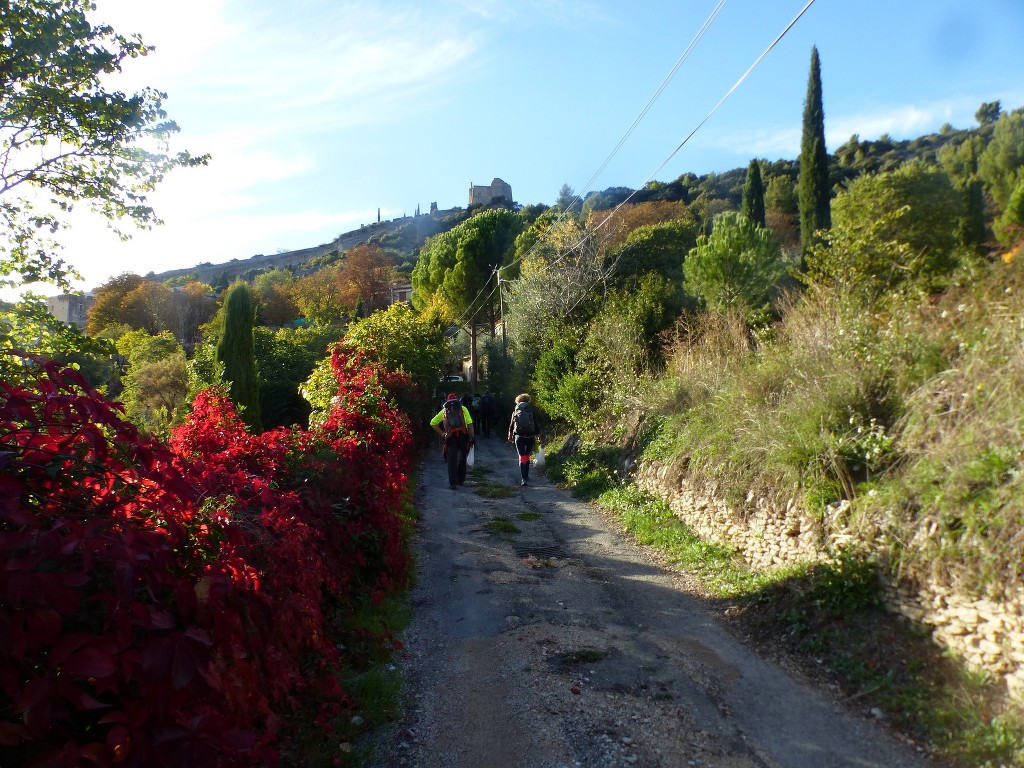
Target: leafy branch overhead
x,y
67,137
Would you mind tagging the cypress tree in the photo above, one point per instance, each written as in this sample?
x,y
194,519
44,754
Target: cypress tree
x,y
753,194
814,191
236,350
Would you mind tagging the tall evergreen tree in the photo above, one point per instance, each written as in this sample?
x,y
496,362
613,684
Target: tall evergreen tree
x,y
236,350
753,194
814,190
456,269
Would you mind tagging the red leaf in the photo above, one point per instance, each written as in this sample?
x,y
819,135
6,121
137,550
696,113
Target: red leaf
x,y
44,626
99,755
11,734
90,662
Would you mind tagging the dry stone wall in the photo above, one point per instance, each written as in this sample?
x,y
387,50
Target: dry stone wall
x,y
988,633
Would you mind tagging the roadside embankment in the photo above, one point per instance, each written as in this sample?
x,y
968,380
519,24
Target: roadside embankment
x,y
986,631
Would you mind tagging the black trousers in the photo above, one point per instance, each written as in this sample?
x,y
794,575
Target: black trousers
x,y
524,447
456,448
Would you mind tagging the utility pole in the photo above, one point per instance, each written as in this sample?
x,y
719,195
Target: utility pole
x,y
504,335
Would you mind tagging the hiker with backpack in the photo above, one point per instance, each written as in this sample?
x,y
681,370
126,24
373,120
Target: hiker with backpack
x,y
455,424
523,431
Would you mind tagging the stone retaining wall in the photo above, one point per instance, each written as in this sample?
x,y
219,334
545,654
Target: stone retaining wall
x,y
988,633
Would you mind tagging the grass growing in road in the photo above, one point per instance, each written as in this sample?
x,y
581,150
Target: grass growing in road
x,y
582,656
487,488
501,525
493,490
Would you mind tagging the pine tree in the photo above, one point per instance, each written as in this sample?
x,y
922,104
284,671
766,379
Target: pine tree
x,y
814,191
753,194
236,350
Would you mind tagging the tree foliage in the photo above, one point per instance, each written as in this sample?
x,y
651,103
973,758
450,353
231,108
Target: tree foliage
x,y
319,298
891,228
617,226
456,266
988,113
560,284
367,276
236,352
112,305
275,303
29,325
814,188
753,195
737,267
284,359
1001,165
139,346
1010,226
67,137
659,248
402,340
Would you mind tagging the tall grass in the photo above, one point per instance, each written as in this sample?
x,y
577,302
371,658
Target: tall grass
x,y
910,409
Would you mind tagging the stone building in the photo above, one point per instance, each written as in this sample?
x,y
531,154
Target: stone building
x,y
498,189
71,308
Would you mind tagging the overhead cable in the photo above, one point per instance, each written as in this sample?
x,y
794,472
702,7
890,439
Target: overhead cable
x,y
664,84
700,124
643,113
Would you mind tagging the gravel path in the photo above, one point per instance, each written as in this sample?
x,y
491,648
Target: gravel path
x,y
564,645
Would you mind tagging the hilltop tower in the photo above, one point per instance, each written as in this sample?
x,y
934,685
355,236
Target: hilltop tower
x,y
485,195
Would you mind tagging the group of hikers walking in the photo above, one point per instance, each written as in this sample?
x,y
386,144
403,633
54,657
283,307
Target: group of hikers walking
x,y
456,422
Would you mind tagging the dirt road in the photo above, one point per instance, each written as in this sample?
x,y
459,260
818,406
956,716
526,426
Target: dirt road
x,y
558,643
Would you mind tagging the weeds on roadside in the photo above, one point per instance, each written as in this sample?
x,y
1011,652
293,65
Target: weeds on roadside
x,y
373,683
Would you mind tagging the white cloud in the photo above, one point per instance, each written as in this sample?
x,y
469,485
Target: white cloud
x,y
900,122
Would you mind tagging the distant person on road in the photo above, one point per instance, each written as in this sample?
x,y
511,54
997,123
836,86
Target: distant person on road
x,y
467,403
455,424
523,431
488,412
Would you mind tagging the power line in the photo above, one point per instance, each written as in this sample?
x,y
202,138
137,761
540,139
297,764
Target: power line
x,y
590,234
643,113
689,136
664,84
708,116
736,85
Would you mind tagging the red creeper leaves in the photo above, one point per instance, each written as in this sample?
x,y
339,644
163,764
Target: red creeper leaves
x,y
166,605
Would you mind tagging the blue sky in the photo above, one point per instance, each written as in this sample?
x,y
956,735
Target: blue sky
x,y
319,112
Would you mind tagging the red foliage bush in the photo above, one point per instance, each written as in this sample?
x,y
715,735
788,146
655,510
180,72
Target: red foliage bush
x,y
165,607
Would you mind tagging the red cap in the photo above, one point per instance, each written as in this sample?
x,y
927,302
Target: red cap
x,y
452,396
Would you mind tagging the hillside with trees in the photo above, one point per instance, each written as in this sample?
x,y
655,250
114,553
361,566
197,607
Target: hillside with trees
x,y
838,335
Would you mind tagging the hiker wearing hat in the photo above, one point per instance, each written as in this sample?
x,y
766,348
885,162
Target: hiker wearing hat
x,y
455,424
